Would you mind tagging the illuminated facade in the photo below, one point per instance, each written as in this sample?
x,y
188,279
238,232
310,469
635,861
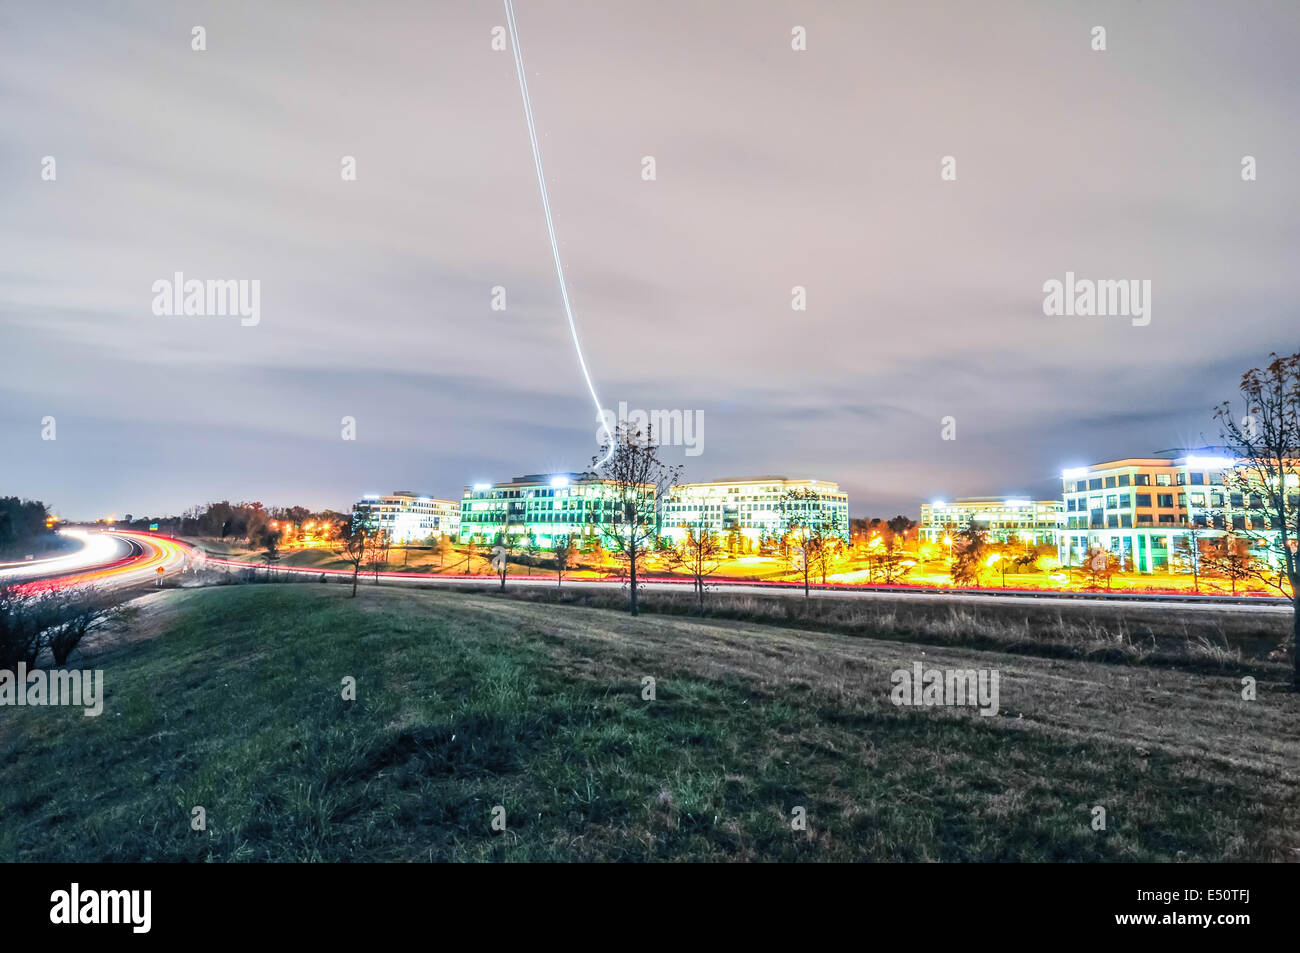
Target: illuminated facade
x,y
409,518
538,508
1151,512
753,508
1034,522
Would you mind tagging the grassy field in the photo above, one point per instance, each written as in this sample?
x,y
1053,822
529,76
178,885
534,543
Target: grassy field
x,y
229,698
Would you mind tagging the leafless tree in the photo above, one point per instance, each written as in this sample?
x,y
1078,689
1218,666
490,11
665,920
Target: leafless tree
x,y
1264,437
639,481
700,554
805,533
565,550
354,542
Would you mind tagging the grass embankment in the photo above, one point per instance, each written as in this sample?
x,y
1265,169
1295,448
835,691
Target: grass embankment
x,y
468,701
1222,641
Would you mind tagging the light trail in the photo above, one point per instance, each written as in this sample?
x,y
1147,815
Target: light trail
x,y
550,228
113,559
96,550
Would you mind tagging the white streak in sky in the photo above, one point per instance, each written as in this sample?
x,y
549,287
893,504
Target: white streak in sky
x,y
550,228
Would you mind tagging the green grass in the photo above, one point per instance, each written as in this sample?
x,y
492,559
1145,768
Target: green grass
x,y
468,701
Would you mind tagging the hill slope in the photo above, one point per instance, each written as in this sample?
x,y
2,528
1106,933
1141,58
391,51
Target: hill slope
x,y
467,702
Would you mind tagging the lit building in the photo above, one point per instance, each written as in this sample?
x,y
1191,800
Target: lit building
x,y
409,518
1033,522
754,508
1149,510
538,508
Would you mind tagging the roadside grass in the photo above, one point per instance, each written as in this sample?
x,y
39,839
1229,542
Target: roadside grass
x,y
470,701
1230,643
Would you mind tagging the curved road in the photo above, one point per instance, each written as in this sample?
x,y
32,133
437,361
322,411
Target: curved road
x,y
107,559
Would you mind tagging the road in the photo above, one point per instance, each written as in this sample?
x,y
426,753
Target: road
x,y
120,558
107,559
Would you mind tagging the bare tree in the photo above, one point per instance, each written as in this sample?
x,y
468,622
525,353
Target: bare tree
x,y
638,482
1265,440
565,550
801,515
1231,558
353,543
381,544
501,551
33,621
700,554
1189,549
1099,566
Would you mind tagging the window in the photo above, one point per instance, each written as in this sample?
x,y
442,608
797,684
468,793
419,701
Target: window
x,y
1144,519
1182,478
1198,479
1110,501
1239,522
1235,499
1110,483
1126,521
1125,501
1142,479
1166,518
1144,499
1165,500
1123,479
1094,483
1112,521
1162,479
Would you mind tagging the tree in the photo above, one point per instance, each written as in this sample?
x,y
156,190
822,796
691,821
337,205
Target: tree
x,y
270,549
381,546
969,550
443,548
1099,566
1265,440
354,542
1189,549
700,554
810,532
638,481
34,621
1231,558
75,613
501,551
565,551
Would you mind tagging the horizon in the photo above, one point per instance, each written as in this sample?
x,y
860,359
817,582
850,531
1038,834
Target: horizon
x,y
924,299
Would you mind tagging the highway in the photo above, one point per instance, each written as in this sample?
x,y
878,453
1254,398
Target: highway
x,y
107,559
113,558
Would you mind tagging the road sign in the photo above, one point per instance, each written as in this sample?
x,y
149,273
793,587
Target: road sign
x,y
153,527
160,570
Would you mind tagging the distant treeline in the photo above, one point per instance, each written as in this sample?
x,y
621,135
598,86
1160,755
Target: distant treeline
x,y
226,520
22,524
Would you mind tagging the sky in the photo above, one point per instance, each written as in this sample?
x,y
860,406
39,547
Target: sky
x,y
773,168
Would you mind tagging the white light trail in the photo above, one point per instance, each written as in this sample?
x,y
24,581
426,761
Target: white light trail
x,y
96,550
550,228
